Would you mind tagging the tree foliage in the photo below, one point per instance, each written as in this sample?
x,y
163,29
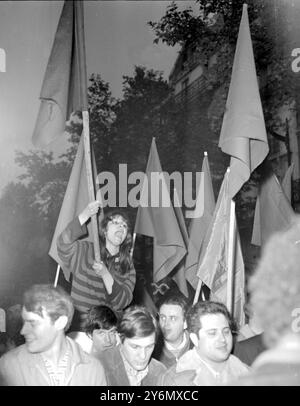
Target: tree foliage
x,y
213,33
138,118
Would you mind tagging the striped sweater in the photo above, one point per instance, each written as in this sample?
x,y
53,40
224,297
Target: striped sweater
x,y
88,288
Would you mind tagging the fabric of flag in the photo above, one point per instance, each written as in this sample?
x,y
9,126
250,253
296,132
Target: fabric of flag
x,y
243,134
214,259
75,200
273,211
179,273
64,89
287,182
156,218
205,205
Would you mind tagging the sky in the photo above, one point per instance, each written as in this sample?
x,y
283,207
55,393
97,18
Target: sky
x,y
117,38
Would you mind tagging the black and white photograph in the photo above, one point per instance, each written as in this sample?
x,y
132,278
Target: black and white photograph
x,y
150,195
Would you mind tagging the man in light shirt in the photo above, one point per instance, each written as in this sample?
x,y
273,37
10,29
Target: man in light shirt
x,y
48,357
210,326
174,340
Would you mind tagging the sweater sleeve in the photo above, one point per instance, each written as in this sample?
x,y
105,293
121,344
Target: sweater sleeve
x,y
69,249
122,290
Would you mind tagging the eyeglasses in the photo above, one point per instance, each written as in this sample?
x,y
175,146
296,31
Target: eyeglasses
x,y
117,222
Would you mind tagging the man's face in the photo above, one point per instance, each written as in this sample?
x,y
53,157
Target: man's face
x,y
104,339
39,332
138,351
171,321
215,338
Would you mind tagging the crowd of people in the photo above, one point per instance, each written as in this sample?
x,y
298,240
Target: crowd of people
x,y
116,343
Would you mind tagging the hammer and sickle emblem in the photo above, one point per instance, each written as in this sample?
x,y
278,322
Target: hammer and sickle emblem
x,y
162,288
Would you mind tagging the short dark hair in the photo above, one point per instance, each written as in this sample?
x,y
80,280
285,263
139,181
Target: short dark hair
x,y
137,321
100,317
207,307
54,300
173,299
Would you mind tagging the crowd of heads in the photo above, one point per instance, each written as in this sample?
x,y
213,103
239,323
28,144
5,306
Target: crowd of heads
x,y
274,296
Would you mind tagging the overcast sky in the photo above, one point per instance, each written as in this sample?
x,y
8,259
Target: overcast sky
x,y
117,39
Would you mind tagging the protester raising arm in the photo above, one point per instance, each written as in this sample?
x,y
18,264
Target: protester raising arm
x,y
110,281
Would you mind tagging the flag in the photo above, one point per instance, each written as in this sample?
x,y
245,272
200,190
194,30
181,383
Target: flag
x,y
179,275
199,224
287,182
273,211
64,88
75,200
243,134
156,218
214,259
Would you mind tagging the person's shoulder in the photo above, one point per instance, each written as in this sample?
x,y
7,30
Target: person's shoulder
x,y
15,352
172,377
109,357
18,355
157,365
186,358
237,364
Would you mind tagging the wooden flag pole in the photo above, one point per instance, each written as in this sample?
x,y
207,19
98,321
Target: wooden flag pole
x,y
231,256
196,297
57,275
91,190
133,243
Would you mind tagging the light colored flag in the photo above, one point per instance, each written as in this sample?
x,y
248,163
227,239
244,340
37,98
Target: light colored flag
x,y
243,134
75,200
179,276
205,205
273,211
287,182
64,88
156,218
213,265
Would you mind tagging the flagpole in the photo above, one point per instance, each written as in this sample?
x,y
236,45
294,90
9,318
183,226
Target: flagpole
x,y
231,256
133,244
91,190
57,275
196,297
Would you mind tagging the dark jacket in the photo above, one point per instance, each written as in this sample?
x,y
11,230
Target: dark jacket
x,y
164,355
247,350
113,364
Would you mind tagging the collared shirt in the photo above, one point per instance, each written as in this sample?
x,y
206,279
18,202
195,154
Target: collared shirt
x,y
135,377
205,374
57,374
19,367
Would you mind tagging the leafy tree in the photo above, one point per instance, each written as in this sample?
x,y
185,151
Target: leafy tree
x,y
213,33
138,118
210,37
